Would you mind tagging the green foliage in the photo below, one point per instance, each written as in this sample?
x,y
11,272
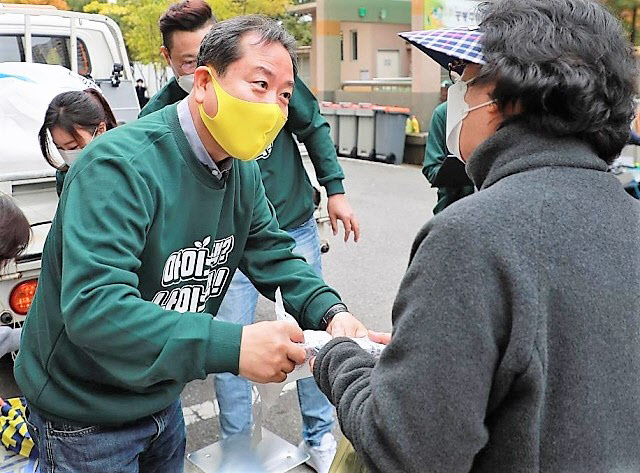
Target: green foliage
x,y
299,26
224,9
77,5
138,20
59,4
629,13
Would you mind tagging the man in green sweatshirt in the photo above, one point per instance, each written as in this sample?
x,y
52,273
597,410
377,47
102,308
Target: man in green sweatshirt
x,y
288,188
153,221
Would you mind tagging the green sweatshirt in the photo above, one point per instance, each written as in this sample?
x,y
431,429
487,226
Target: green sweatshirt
x,y
434,154
139,256
170,93
283,174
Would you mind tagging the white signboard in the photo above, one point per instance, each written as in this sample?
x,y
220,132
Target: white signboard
x,y
449,13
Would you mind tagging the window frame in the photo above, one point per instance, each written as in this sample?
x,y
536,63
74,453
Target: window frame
x,y
354,45
81,49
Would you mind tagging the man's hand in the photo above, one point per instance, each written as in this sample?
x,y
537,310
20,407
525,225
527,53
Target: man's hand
x,y
339,209
344,324
268,352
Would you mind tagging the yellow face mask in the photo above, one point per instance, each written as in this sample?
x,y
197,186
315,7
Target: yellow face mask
x,y
243,129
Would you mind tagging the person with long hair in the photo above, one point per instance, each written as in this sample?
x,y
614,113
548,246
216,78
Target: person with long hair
x,y
73,119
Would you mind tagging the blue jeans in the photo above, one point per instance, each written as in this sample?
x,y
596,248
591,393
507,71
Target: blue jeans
x,y
153,444
234,392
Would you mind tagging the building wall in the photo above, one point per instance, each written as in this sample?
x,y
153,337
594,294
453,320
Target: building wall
x,y
327,24
383,11
372,37
304,64
425,73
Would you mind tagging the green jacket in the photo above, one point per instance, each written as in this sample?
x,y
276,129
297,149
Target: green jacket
x,y
434,154
283,174
170,93
140,253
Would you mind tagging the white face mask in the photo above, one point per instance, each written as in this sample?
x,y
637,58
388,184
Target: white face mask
x,y
457,111
69,156
185,82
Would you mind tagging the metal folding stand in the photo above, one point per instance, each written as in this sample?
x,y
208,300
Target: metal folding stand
x,y
235,455
260,451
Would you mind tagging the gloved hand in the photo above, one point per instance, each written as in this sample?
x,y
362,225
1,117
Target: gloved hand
x,y
9,339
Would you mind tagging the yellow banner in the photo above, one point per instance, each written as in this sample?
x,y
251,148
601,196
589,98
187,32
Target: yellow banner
x,y
433,14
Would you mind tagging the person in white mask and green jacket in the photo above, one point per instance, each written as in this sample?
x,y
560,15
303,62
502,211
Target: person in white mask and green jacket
x,y
182,26
288,188
154,219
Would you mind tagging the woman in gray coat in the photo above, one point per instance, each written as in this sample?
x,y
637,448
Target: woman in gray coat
x,y
516,330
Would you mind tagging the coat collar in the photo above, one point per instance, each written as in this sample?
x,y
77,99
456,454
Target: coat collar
x,y
514,148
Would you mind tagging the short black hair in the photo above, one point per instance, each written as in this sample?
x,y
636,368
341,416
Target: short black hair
x,y
84,109
566,64
189,15
221,46
15,230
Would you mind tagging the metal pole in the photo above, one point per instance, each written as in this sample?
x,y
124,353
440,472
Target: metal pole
x,y
28,52
74,45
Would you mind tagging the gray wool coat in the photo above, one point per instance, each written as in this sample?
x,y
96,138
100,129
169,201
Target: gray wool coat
x,y
516,330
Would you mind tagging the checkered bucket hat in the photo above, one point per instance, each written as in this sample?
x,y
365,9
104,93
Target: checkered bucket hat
x,y
448,44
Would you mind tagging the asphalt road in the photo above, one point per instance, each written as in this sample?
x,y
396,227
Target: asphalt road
x,y
392,203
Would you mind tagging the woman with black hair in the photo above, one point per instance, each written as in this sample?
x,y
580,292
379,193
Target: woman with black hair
x,y
516,329
73,119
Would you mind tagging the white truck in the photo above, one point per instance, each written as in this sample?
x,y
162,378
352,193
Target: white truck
x,y
58,44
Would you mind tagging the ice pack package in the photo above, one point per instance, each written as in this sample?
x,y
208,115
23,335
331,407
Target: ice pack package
x,y
314,340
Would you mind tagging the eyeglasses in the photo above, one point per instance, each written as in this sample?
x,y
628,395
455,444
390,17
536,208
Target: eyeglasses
x,y
456,69
188,67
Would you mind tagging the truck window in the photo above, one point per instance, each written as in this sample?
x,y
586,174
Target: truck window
x,y
45,50
9,50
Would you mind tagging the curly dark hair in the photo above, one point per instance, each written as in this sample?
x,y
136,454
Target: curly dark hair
x,y
566,64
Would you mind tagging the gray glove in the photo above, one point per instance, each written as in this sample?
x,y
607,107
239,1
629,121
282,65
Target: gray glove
x,y
9,339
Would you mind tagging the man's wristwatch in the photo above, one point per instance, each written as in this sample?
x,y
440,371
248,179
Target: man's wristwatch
x,y
330,314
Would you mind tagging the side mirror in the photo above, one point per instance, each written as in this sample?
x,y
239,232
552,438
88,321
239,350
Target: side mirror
x,y
116,74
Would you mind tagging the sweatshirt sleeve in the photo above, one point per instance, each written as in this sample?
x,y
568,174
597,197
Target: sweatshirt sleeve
x,y
422,407
436,150
107,209
307,123
268,261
